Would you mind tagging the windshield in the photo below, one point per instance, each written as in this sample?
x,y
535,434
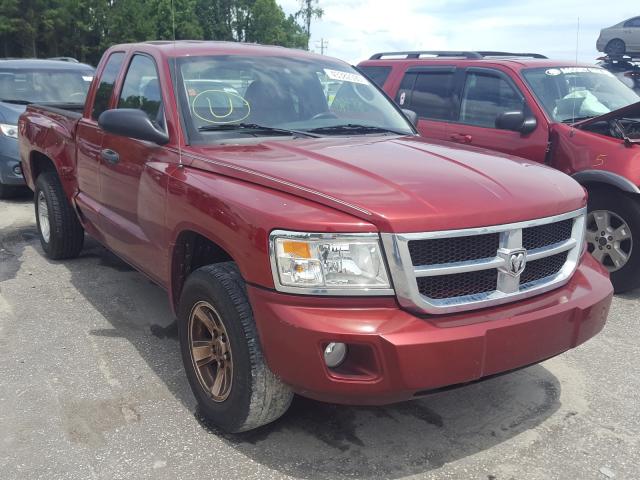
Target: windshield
x,y
233,96
45,86
573,93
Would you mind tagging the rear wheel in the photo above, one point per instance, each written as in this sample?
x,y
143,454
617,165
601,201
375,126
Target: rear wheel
x,y
61,234
222,354
613,235
615,47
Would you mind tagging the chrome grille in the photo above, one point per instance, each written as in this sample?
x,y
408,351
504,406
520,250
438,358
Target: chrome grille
x,y
543,268
450,271
545,235
458,284
446,250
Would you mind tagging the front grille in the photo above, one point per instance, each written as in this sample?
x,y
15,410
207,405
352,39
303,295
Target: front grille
x,y
459,249
458,284
545,235
444,272
543,268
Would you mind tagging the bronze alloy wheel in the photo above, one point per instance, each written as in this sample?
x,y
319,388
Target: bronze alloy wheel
x,y
210,351
609,239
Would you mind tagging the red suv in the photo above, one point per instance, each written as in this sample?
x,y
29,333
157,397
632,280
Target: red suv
x,y
579,119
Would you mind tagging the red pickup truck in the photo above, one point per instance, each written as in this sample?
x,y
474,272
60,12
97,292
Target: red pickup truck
x,y
579,119
309,240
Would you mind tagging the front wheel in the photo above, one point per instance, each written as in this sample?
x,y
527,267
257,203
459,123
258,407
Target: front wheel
x,y
222,354
613,235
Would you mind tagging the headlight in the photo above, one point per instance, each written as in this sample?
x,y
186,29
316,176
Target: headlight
x,y
328,264
9,130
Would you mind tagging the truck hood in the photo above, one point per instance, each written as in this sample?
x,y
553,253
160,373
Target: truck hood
x,y
400,184
632,110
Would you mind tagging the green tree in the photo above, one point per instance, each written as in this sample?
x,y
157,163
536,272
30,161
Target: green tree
x,y
183,16
309,9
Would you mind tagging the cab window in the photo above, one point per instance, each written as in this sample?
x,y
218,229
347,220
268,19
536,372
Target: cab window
x,y
107,81
429,94
141,89
485,97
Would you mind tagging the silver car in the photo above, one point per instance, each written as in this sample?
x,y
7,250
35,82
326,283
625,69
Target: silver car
x,y
623,38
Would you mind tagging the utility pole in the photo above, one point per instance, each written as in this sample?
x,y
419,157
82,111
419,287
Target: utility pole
x,y
322,45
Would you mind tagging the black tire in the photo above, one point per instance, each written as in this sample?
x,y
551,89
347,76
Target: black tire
x,y
66,235
627,208
615,47
256,395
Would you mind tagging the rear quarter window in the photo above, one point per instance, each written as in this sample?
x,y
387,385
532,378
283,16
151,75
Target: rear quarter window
x,y
377,75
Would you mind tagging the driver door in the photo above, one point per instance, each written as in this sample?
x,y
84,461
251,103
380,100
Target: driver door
x,y
132,191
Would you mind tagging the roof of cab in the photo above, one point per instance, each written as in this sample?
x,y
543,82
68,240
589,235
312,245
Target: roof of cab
x,y
184,48
37,63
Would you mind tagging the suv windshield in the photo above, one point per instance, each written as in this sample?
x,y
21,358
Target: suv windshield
x,y
45,85
233,96
573,93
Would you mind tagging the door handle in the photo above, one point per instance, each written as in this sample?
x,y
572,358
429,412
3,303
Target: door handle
x,y
110,156
461,137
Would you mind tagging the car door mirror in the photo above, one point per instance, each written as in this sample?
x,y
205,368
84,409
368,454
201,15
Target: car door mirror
x,y
411,116
132,123
516,121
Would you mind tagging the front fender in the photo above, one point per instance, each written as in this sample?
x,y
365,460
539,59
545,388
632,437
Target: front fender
x,y
238,216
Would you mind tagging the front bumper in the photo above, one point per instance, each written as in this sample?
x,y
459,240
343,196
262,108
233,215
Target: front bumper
x,y
395,355
10,167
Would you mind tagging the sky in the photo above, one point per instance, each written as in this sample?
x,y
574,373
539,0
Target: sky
x,y
356,29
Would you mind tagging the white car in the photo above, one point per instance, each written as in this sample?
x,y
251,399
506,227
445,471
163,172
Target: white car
x,y
621,39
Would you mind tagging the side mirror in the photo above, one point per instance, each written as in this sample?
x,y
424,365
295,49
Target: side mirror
x,y
132,123
411,116
516,121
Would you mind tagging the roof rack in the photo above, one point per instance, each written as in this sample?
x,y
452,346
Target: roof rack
x,y
452,54
510,54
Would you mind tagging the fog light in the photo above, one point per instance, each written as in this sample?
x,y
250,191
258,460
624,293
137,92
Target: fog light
x,y
17,170
334,354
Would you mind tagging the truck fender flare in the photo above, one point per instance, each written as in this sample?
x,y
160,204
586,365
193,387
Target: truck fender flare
x,y
602,176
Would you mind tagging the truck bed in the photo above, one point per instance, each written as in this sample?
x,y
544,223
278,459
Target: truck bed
x,y
70,110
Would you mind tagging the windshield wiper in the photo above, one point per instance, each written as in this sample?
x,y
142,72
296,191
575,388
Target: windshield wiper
x,y
255,126
16,101
578,119
354,128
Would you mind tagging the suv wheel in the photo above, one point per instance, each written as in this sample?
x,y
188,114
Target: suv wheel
x,y
61,234
615,47
613,236
222,355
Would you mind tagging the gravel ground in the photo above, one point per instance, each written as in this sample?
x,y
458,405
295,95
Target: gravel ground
x,y
92,386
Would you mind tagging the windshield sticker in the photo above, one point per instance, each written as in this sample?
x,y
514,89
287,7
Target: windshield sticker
x,y
565,70
345,76
403,95
220,107
87,78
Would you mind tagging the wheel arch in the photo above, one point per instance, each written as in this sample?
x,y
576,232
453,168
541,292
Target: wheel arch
x,y
594,178
190,251
39,163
